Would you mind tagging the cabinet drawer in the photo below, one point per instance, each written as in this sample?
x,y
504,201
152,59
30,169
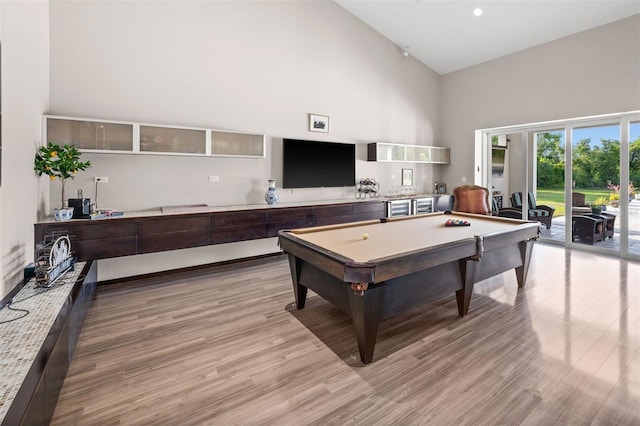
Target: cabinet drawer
x,y
87,230
151,243
329,211
230,234
288,219
374,207
160,226
290,215
219,220
333,220
104,248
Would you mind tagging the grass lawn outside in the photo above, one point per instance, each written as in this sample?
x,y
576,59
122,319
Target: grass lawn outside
x,y
555,197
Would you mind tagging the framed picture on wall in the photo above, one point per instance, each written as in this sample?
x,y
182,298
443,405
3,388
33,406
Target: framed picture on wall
x,y
318,123
407,177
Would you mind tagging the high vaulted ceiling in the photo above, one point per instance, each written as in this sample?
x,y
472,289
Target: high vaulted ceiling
x,y
446,36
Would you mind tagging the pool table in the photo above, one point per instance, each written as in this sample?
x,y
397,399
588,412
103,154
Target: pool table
x,y
376,269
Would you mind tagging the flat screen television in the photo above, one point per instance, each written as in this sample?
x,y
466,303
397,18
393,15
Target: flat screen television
x,y
315,164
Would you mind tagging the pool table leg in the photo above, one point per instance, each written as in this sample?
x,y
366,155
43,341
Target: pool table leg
x,y
526,247
365,311
468,268
299,290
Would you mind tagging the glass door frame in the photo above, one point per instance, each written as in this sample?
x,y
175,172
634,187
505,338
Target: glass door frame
x,y
482,167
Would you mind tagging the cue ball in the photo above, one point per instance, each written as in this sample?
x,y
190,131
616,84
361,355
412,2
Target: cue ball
x,y
365,236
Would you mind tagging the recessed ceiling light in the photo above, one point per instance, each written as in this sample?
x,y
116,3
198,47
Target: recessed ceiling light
x,y
477,11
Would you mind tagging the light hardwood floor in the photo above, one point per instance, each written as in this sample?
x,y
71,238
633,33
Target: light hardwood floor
x,y
226,346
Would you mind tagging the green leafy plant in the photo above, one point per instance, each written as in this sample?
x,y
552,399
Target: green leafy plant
x,y
599,202
59,162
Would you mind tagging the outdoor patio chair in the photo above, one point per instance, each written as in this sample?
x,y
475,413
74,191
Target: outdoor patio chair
x,y
539,212
589,229
505,211
608,224
578,204
578,199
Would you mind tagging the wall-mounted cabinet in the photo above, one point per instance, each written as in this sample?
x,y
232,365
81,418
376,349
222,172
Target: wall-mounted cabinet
x,y
172,140
101,136
439,155
90,135
237,144
393,152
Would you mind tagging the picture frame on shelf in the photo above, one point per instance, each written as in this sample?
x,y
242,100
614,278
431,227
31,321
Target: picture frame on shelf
x,y
441,188
407,177
318,123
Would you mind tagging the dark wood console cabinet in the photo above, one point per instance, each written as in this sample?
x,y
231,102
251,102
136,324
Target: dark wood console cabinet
x,y
99,239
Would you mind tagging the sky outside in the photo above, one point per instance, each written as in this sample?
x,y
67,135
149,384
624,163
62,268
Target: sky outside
x,y
602,132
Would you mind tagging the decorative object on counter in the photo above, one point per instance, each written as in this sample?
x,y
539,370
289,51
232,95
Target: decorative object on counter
x,y
105,214
271,196
62,162
318,123
63,215
441,188
367,187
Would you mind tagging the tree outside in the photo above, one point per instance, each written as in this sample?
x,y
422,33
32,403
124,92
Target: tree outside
x,y
596,169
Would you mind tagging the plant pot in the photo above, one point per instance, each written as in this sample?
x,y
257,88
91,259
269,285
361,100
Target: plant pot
x,y
596,210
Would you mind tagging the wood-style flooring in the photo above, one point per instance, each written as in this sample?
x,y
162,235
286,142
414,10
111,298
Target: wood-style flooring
x,y
226,346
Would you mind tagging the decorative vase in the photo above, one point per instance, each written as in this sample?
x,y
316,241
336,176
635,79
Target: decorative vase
x,y
271,196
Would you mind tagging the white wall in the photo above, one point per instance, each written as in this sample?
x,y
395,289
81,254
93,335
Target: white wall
x,y
590,73
246,66
24,34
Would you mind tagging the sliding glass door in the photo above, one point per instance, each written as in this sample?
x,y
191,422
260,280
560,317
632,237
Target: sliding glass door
x,y
583,172
633,191
548,188
595,173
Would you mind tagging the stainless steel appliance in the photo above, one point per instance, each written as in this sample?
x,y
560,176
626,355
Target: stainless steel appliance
x,y
399,207
409,206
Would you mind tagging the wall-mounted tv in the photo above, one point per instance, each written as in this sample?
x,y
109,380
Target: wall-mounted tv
x,y
315,164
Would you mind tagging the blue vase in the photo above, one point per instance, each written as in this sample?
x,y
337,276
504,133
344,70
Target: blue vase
x,y
271,196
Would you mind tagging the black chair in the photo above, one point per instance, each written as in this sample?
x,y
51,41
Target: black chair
x,y
587,228
608,224
505,211
578,204
539,212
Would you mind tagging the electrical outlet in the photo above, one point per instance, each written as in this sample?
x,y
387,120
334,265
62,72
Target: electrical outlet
x,y
101,179
214,178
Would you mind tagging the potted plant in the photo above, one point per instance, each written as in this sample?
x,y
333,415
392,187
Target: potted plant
x,y
61,162
614,199
598,204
